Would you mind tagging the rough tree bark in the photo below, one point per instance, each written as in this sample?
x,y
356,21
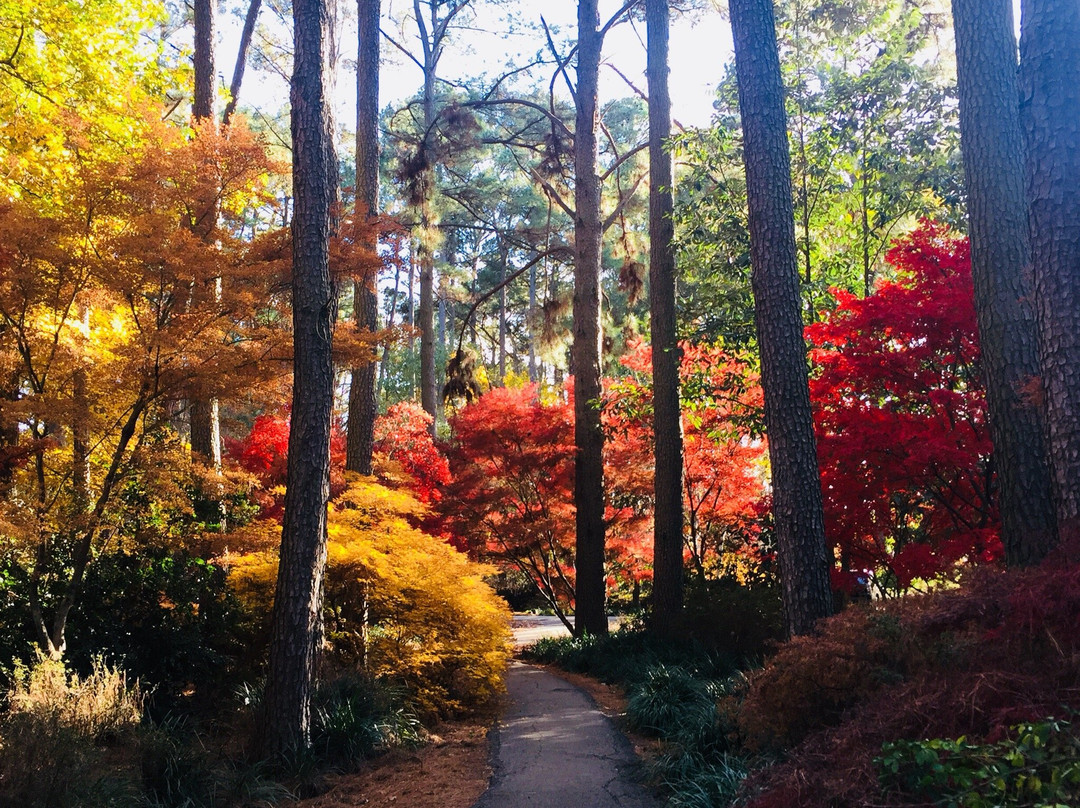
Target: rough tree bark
x,y
797,505
993,151
590,593
667,422
205,13
204,417
1050,113
429,398
296,619
363,403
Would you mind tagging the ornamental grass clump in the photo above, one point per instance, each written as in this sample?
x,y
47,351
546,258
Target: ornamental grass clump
x,y
56,736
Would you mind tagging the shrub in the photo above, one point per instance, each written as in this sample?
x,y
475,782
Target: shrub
x,y
695,781
1001,650
179,770
182,629
100,707
739,620
1039,764
355,715
670,702
51,741
404,605
811,680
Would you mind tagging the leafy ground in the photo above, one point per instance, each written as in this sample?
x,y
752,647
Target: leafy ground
x,y
451,771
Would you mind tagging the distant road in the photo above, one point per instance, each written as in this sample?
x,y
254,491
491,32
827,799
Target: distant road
x,y
528,628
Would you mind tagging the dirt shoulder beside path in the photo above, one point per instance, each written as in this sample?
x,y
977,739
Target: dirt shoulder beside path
x,y
451,771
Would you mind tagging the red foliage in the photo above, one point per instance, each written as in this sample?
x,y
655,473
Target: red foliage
x,y
723,479
403,435
511,498
1000,650
264,452
901,418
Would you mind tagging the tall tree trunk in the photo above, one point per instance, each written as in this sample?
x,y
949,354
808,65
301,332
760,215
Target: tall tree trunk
x,y
534,375
204,418
428,394
1050,113
363,405
80,432
9,428
396,246
590,616
297,626
503,259
205,73
241,60
667,421
993,150
797,505
426,323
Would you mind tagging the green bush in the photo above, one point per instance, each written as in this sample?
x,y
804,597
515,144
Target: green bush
x,y
734,620
693,780
182,630
180,771
355,715
1038,765
670,702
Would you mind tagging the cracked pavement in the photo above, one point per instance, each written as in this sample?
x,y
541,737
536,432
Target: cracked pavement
x,y
555,749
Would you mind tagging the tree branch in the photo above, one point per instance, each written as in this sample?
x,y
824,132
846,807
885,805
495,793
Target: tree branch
x,y
241,59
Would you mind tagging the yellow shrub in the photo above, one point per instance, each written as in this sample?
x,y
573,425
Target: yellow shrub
x,y
403,603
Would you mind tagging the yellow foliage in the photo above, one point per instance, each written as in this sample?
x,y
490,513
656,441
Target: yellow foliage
x,y
407,604
515,381
73,64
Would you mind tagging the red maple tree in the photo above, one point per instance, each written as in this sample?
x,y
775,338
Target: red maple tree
x,y
403,436
264,452
511,499
901,419
723,453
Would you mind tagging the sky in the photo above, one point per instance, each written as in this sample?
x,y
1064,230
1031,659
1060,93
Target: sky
x,y
699,49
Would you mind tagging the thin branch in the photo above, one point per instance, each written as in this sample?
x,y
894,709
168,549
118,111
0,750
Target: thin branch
x,y
610,220
561,66
622,159
401,48
241,59
495,102
517,273
617,17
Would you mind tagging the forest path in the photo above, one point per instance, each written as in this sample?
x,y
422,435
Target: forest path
x,y
554,749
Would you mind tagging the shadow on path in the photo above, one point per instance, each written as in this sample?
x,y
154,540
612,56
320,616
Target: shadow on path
x,y
554,749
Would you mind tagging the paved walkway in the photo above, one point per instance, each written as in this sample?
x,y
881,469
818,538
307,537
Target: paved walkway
x,y
554,749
